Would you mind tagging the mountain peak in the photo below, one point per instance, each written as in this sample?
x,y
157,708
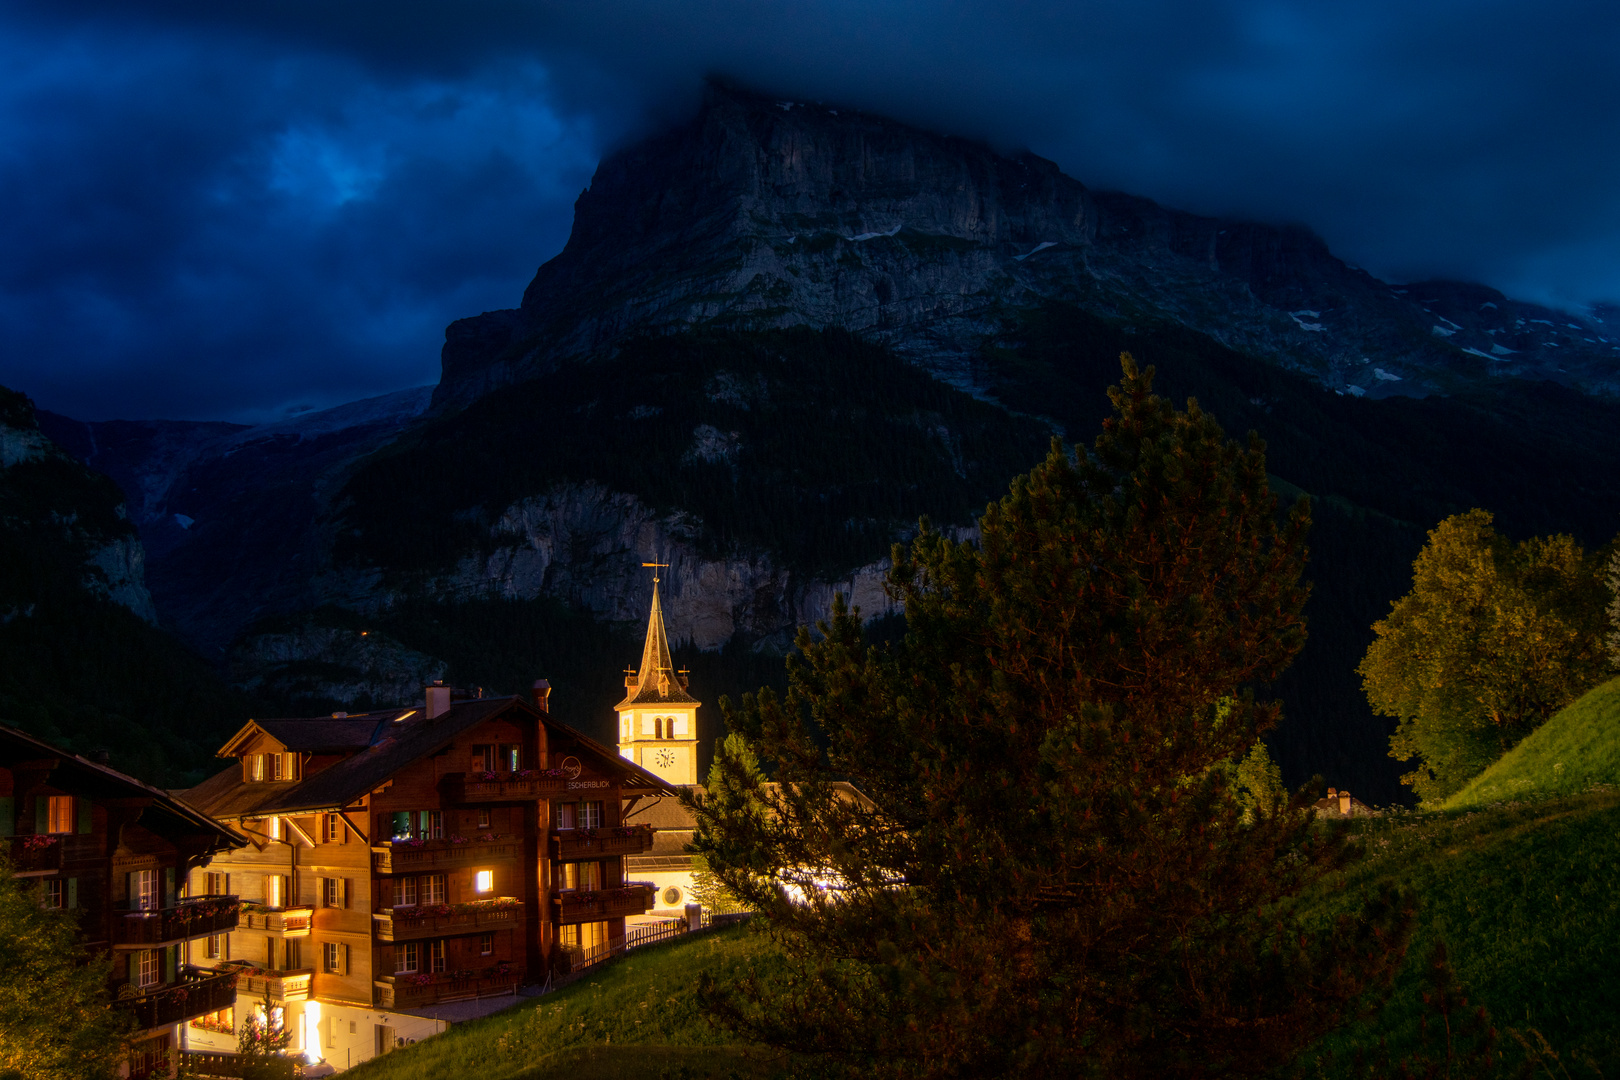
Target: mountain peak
x,y
762,212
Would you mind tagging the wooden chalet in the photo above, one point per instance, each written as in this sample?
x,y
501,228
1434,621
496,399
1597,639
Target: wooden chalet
x,y
400,865
117,853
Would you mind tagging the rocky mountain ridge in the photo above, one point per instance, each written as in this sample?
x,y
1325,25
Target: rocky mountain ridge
x,y
766,213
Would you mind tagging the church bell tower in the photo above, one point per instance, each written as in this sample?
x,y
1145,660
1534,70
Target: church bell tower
x,y
658,718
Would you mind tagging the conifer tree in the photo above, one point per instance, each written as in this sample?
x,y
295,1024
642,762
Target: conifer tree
x,y
1054,875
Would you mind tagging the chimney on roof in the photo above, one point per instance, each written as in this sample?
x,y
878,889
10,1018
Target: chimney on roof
x,y
438,699
1344,803
542,695
1333,793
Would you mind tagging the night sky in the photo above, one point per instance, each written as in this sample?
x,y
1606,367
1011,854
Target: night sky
x,y
235,208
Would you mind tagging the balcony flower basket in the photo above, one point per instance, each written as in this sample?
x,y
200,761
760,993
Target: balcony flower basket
x,y
486,775
487,838
456,838
40,843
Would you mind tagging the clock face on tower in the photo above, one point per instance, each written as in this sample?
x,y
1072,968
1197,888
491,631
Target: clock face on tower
x,y
664,759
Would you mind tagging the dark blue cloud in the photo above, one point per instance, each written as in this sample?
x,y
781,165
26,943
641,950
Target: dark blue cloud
x,y
223,209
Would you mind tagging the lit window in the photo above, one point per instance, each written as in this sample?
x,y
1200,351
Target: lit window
x,y
333,958
60,814
275,890
334,829
483,818
486,945
333,892
149,969
564,815
405,892
275,766
143,890
484,881
258,766
436,961
275,828
50,893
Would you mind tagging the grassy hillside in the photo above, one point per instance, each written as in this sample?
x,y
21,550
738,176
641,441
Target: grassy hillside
x,y
1578,747
1523,896
636,1017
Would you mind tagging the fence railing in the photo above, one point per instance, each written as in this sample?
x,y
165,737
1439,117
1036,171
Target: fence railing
x,y
282,986
575,960
412,991
219,1063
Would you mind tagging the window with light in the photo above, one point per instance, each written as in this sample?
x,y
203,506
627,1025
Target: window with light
x,y
484,881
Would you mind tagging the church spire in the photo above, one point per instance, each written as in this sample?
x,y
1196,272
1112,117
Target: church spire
x,y
656,681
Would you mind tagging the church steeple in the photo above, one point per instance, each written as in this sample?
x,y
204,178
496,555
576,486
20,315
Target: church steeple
x,y
658,717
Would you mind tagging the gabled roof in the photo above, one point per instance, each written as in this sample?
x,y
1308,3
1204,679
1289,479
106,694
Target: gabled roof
x,y
391,745
92,780
657,682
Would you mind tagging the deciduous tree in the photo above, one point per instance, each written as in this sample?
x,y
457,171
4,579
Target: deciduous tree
x,y
56,1022
1492,640
1055,875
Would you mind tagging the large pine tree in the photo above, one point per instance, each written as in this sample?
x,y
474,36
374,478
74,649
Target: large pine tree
x,y
1054,874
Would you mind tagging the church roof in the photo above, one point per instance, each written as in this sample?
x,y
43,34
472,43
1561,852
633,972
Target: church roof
x,y
657,682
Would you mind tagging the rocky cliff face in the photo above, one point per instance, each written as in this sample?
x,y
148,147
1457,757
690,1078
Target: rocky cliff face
x,y
66,527
763,213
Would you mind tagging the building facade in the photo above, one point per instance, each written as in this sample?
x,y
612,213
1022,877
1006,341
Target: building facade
x,y
118,854
400,862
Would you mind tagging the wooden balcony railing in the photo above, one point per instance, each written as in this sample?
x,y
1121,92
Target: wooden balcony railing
x,y
506,787
282,986
287,922
415,991
199,991
569,844
35,855
407,858
594,905
408,924
217,1063
191,918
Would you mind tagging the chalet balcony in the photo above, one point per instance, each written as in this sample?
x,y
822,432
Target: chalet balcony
x,y
571,844
198,992
32,855
411,923
422,856
283,986
191,918
416,991
283,922
526,785
595,905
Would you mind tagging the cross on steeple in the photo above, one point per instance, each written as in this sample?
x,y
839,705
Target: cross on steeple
x,y
656,565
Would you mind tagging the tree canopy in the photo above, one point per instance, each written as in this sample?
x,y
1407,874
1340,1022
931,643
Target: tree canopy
x,y
1494,638
1055,871
55,1019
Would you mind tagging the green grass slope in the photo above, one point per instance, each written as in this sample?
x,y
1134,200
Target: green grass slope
x,y
1578,747
1523,896
636,1017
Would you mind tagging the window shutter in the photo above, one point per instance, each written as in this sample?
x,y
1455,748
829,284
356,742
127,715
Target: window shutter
x,y
8,816
344,896
83,806
73,892
168,886
343,960
132,970
42,814
168,964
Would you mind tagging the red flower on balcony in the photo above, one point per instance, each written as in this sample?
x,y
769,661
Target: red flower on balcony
x,y
39,843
